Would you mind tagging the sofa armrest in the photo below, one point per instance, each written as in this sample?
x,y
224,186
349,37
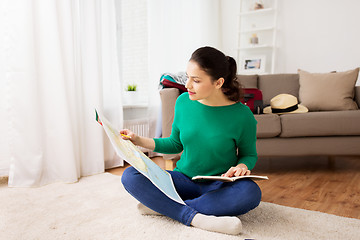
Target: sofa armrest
x,y
357,95
168,98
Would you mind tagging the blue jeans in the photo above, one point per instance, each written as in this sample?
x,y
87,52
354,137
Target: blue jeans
x,y
209,198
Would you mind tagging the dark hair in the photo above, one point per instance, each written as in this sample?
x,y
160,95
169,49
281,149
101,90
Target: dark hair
x,y
217,65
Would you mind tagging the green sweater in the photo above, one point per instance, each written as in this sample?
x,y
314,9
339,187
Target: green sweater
x,y
209,137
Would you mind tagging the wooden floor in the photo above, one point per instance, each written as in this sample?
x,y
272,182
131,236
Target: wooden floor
x,y
313,183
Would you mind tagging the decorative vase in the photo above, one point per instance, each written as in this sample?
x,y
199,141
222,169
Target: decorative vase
x,y
254,39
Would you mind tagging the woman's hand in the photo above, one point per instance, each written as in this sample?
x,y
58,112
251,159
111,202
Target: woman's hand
x,y
239,170
144,142
126,134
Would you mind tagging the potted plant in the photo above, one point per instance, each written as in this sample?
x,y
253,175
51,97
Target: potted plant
x,y
130,95
131,87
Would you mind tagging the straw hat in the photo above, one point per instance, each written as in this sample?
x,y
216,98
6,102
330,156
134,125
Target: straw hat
x,y
285,103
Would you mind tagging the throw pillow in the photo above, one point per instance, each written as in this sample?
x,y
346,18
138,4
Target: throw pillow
x,y
328,91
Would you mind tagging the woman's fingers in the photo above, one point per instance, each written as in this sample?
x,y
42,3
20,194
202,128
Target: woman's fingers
x,y
236,171
126,134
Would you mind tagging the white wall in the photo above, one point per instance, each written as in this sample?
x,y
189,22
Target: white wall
x,y
177,29
317,36
229,10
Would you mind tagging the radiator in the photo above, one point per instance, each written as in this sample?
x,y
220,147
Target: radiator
x,y
139,127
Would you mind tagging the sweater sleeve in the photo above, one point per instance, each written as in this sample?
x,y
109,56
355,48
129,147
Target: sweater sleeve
x,y
247,145
170,145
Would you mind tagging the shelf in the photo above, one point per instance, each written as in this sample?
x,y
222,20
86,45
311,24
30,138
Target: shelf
x,y
256,12
256,47
263,24
257,30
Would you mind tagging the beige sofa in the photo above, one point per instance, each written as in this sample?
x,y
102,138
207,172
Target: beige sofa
x,y
328,133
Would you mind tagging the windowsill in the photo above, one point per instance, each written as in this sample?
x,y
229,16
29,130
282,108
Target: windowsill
x,y
135,111
135,105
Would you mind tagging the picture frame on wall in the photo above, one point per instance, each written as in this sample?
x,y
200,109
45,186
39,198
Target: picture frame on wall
x,y
253,64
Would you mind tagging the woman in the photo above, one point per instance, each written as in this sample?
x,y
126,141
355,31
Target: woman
x,y
217,135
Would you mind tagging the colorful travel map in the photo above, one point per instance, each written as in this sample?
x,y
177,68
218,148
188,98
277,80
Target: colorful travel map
x,y
136,158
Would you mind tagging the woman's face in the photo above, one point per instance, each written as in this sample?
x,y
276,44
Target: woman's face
x,y
199,83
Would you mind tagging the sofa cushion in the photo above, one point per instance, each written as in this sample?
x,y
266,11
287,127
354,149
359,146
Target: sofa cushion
x,y
328,91
308,146
274,84
248,81
332,123
268,125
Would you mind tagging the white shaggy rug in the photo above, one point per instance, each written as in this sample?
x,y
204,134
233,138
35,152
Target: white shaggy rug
x,y
98,207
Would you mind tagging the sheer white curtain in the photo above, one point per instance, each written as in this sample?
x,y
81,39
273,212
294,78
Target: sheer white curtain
x,y
58,61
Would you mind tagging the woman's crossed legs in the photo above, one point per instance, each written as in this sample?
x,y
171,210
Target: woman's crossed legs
x,y
204,200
